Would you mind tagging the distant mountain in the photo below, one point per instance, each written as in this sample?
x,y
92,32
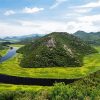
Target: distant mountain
x,y
91,38
29,38
22,38
1,40
55,49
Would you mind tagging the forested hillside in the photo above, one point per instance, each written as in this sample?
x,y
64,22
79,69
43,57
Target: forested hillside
x,y
91,38
55,49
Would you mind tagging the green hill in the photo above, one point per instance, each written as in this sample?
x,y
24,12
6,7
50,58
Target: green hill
x,y
91,38
55,49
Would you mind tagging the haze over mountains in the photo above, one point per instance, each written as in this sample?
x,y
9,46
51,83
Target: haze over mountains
x,y
91,38
21,38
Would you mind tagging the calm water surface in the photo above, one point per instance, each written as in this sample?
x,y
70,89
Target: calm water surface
x,y
10,54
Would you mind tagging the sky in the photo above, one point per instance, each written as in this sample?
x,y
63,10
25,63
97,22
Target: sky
x,y
22,17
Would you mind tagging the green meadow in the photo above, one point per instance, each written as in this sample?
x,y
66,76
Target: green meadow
x,y
12,67
3,52
10,87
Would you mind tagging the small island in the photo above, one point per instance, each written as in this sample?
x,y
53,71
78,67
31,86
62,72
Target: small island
x,y
11,48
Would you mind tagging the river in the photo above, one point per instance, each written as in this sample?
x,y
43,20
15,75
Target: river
x,y
11,52
8,79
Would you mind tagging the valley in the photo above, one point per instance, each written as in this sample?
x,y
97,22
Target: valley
x,y
49,49
12,67
83,76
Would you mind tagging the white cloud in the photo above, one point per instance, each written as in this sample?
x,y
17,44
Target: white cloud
x,y
32,10
82,10
91,5
86,8
23,28
26,23
85,23
44,26
9,12
91,18
25,10
58,2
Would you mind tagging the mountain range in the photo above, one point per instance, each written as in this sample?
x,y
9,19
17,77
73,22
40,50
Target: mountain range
x,y
23,38
91,38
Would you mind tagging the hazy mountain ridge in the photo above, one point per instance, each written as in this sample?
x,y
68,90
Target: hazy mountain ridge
x,y
23,38
91,38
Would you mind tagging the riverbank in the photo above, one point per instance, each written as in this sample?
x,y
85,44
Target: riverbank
x,y
3,52
9,54
33,81
85,89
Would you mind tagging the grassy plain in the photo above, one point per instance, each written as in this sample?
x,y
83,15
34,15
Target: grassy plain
x,y
10,87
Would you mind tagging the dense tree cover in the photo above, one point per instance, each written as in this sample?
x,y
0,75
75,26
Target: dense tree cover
x,y
91,38
6,43
55,49
1,47
0,56
83,89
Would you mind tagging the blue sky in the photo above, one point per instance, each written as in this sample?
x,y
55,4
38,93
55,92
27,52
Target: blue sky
x,y
21,17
